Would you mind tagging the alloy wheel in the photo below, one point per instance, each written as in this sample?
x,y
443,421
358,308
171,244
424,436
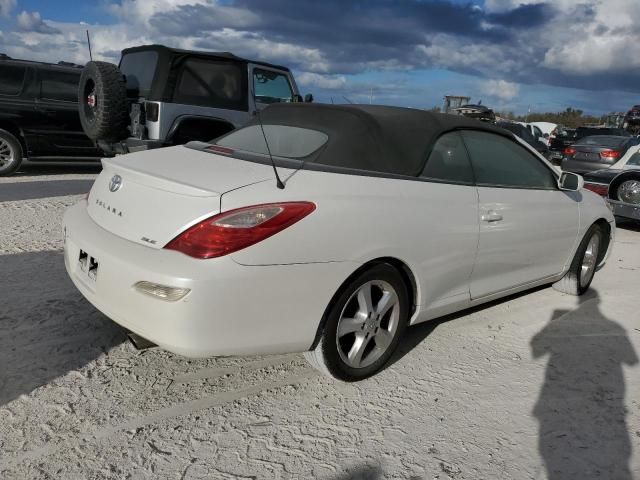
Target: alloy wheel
x,y
589,260
629,192
368,324
7,155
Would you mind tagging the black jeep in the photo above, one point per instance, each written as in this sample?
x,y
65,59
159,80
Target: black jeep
x,y
160,96
39,114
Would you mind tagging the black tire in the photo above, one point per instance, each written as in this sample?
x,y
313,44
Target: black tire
x,y
102,102
573,283
11,154
327,358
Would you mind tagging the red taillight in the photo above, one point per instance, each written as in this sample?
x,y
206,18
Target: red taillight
x,y
569,151
610,153
598,188
234,230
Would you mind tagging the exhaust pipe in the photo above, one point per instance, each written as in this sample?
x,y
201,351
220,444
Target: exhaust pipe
x,y
139,342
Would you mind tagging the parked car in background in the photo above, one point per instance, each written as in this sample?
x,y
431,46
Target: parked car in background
x,y
200,250
39,114
563,138
548,129
632,120
159,96
620,184
535,132
525,133
479,112
596,152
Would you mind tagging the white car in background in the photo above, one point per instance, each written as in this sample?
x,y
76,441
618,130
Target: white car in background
x,y
548,129
388,217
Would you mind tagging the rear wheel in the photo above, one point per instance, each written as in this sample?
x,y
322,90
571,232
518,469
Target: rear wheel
x,y
364,325
577,280
10,153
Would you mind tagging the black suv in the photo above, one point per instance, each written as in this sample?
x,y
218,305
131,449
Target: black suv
x,y
39,114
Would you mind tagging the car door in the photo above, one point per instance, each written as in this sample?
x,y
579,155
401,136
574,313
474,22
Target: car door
x,y
527,225
451,206
56,107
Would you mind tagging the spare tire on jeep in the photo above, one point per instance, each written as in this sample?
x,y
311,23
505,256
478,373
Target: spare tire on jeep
x,y
102,102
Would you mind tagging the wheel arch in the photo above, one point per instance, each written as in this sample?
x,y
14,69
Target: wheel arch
x,y
16,131
605,241
403,269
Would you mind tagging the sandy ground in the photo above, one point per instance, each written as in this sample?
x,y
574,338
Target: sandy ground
x,y
538,386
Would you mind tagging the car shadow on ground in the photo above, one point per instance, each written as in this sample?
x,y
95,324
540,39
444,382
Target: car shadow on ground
x,y
581,407
416,334
46,328
59,168
11,192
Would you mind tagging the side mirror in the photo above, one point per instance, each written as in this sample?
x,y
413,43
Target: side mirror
x,y
571,182
546,135
308,98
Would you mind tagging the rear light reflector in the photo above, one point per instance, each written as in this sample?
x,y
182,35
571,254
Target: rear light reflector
x,y
162,292
598,188
234,230
610,153
152,111
569,151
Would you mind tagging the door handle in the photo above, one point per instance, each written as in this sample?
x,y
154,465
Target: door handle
x,y
491,216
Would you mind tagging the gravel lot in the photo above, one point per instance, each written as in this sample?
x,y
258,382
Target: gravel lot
x,y
538,386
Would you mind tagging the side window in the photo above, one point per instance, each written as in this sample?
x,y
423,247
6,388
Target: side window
x,y
448,161
11,79
634,161
211,83
59,86
499,161
271,87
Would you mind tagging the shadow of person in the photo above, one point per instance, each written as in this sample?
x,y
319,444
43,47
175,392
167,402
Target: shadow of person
x,y
583,432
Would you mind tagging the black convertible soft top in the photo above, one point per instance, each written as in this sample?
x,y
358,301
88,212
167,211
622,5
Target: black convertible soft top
x,y
390,140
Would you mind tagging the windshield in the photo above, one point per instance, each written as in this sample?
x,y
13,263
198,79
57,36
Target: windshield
x,y
284,141
139,69
603,141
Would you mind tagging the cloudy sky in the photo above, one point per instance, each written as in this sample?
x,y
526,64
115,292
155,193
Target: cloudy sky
x,y
512,54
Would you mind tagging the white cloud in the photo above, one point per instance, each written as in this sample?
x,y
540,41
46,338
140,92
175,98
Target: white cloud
x,y
500,89
498,6
6,7
310,79
32,22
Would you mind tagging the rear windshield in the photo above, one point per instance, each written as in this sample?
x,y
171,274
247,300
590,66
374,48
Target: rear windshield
x,y
603,141
587,131
284,141
139,69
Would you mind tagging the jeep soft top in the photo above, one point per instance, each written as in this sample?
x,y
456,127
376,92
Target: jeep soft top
x,y
160,96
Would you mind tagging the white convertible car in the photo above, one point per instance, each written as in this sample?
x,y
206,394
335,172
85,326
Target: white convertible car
x,y
388,217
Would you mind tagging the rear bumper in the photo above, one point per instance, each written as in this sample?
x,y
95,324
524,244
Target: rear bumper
x,y
231,309
625,210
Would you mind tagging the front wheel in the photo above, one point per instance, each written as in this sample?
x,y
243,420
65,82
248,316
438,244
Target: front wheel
x,y
363,325
580,274
10,153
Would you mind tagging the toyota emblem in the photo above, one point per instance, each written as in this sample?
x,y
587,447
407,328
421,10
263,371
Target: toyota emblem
x,y
115,183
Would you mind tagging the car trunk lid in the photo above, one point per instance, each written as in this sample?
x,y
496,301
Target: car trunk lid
x,y
150,197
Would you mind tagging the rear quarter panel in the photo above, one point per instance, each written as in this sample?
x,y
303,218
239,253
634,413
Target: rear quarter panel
x,y
431,227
